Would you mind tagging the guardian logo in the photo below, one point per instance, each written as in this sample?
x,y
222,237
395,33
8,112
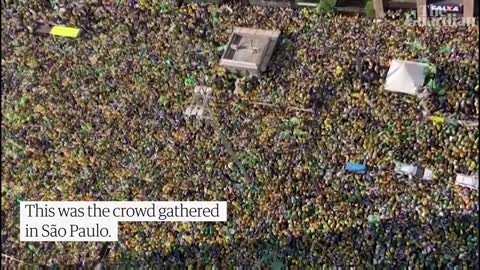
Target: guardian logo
x,y
440,15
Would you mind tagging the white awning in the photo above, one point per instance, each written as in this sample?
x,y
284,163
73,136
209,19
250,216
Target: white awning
x,y
413,171
428,174
467,181
405,77
407,169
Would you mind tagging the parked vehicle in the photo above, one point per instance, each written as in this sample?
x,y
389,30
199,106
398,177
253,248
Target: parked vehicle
x,y
413,171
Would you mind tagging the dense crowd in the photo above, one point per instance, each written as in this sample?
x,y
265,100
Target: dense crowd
x,y
100,117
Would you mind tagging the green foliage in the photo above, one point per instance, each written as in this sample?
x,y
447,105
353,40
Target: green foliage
x,y
435,88
165,6
163,100
373,219
215,16
326,6
238,107
444,49
416,45
431,70
369,9
432,84
189,81
22,102
85,129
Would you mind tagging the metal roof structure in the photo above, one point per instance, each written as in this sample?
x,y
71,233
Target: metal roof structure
x,y
248,50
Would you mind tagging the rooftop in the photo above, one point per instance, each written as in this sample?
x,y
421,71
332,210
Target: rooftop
x,y
249,48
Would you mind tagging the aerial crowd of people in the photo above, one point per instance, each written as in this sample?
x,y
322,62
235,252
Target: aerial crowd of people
x,y
101,117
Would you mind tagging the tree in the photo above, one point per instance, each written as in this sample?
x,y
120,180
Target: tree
x,y
369,9
327,6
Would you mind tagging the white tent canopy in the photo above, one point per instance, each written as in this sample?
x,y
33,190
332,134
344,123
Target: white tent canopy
x,y
467,181
413,171
405,77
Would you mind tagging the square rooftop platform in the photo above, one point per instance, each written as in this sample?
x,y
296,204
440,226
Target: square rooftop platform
x,y
248,50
